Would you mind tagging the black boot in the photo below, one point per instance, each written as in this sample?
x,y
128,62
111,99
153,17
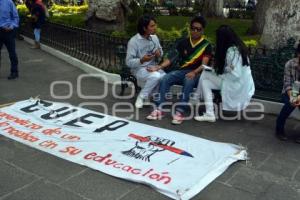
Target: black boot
x,y
13,76
281,135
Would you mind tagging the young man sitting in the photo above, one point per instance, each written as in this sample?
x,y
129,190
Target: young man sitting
x,y
143,51
191,53
290,95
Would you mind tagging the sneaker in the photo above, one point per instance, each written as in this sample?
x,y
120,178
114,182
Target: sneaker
x,y
155,115
205,118
177,118
139,102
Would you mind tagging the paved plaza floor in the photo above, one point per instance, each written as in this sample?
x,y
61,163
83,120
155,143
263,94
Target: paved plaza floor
x,y
272,173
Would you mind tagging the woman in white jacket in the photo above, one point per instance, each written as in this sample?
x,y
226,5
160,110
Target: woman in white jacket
x,y
232,75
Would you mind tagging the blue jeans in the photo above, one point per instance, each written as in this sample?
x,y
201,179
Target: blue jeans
x,y
8,39
37,34
177,77
285,112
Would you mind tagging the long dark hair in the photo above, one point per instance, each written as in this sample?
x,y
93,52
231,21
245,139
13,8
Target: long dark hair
x,y
225,38
143,22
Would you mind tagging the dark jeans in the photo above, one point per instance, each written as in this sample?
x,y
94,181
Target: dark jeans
x,y
285,112
8,39
177,77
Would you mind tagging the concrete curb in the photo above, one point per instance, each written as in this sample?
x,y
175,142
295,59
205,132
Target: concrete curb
x,y
269,107
111,78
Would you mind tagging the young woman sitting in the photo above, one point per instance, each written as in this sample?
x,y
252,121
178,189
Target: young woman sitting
x,y
232,75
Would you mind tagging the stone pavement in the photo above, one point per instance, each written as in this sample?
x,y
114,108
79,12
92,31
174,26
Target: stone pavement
x,y
273,172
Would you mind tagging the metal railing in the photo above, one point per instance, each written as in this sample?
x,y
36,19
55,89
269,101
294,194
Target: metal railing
x,y
268,68
91,47
103,52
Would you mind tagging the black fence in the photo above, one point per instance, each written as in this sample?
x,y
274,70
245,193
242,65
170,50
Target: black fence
x,y
268,68
96,49
91,47
107,53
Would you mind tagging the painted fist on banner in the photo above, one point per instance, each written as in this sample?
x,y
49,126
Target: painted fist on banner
x,y
145,147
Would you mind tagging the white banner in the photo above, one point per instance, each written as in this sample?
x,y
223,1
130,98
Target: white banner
x,y
173,163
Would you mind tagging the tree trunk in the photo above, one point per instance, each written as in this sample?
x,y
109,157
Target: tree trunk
x,y
213,8
280,22
259,19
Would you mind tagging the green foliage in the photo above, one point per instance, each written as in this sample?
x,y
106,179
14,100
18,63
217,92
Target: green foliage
x,y
68,9
172,34
120,34
22,10
68,15
251,42
240,26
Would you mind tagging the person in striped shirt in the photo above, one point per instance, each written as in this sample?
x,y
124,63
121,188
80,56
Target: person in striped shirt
x,y
190,53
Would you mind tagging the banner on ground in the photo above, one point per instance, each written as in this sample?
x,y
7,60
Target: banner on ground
x,y
173,163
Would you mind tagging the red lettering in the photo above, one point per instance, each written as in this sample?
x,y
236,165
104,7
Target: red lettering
x,y
71,150
2,114
106,160
150,170
10,117
70,137
127,168
20,134
136,171
48,144
102,158
90,156
118,165
51,131
22,122
34,126
3,124
110,162
165,177
154,176
97,158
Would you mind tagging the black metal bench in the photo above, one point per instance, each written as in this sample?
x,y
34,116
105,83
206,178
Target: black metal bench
x,y
267,69
126,75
